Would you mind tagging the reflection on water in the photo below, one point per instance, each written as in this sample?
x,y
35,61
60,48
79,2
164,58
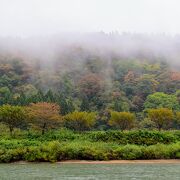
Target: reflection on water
x,y
44,171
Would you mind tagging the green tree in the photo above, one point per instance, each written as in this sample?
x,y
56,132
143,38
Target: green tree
x,y
162,117
177,120
178,95
119,101
5,95
85,104
39,97
147,124
161,100
28,90
146,85
122,120
13,116
66,104
80,121
49,96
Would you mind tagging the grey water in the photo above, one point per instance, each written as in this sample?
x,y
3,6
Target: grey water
x,y
58,171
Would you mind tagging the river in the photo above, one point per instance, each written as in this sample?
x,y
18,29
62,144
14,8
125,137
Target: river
x,y
58,171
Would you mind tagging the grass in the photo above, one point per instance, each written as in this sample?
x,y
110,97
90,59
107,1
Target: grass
x,y
94,145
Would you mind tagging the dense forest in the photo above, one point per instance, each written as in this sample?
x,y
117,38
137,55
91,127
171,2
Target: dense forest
x,y
94,72
54,90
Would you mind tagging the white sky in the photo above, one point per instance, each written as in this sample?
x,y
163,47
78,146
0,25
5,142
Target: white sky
x,y
41,17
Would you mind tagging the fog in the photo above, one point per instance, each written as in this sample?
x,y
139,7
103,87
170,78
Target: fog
x,y
24,18
100,44
73,31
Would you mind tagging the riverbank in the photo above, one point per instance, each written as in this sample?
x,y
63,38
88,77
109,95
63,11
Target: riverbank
x,y
157,161
153,161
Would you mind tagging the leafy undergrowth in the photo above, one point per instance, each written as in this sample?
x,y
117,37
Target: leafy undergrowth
x,y
138,137
83,150
95,145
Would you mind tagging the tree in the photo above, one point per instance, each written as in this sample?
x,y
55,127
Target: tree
x,y
80,121
49,96
66,104
28,90
137,103
5,95
120,101
44,115
13,116
146,85
178,95
177,120
162,117
161,100
84,104
121,105
95,65
90,85
147,124
122,120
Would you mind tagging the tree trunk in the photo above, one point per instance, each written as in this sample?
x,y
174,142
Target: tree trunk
x,y
159,127
11,131
43,128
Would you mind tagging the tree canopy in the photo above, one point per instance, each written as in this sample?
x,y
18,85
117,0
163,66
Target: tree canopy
x,y
162,117
13,116
162,100
122,120
44,115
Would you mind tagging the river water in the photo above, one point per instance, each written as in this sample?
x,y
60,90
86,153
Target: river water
x,y
58,171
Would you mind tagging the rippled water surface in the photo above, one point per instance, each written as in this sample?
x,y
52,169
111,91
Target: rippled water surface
x,y
48,171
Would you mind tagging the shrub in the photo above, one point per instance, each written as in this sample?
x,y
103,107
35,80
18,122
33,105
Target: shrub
x,y
122,120
128,152
80,121
162,117
133,137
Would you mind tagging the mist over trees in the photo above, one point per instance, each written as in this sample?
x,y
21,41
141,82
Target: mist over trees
x,y
92,72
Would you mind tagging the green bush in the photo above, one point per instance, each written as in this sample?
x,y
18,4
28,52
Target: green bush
x,y
100,145
128,152
55,151
134,137
61,135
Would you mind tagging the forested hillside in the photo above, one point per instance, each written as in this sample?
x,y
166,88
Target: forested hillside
x,y
94,73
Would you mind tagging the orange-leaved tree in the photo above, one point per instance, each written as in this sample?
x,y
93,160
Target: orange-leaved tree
x,y
44,115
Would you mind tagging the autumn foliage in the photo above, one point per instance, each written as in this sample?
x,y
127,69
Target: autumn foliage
x,y
44,115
